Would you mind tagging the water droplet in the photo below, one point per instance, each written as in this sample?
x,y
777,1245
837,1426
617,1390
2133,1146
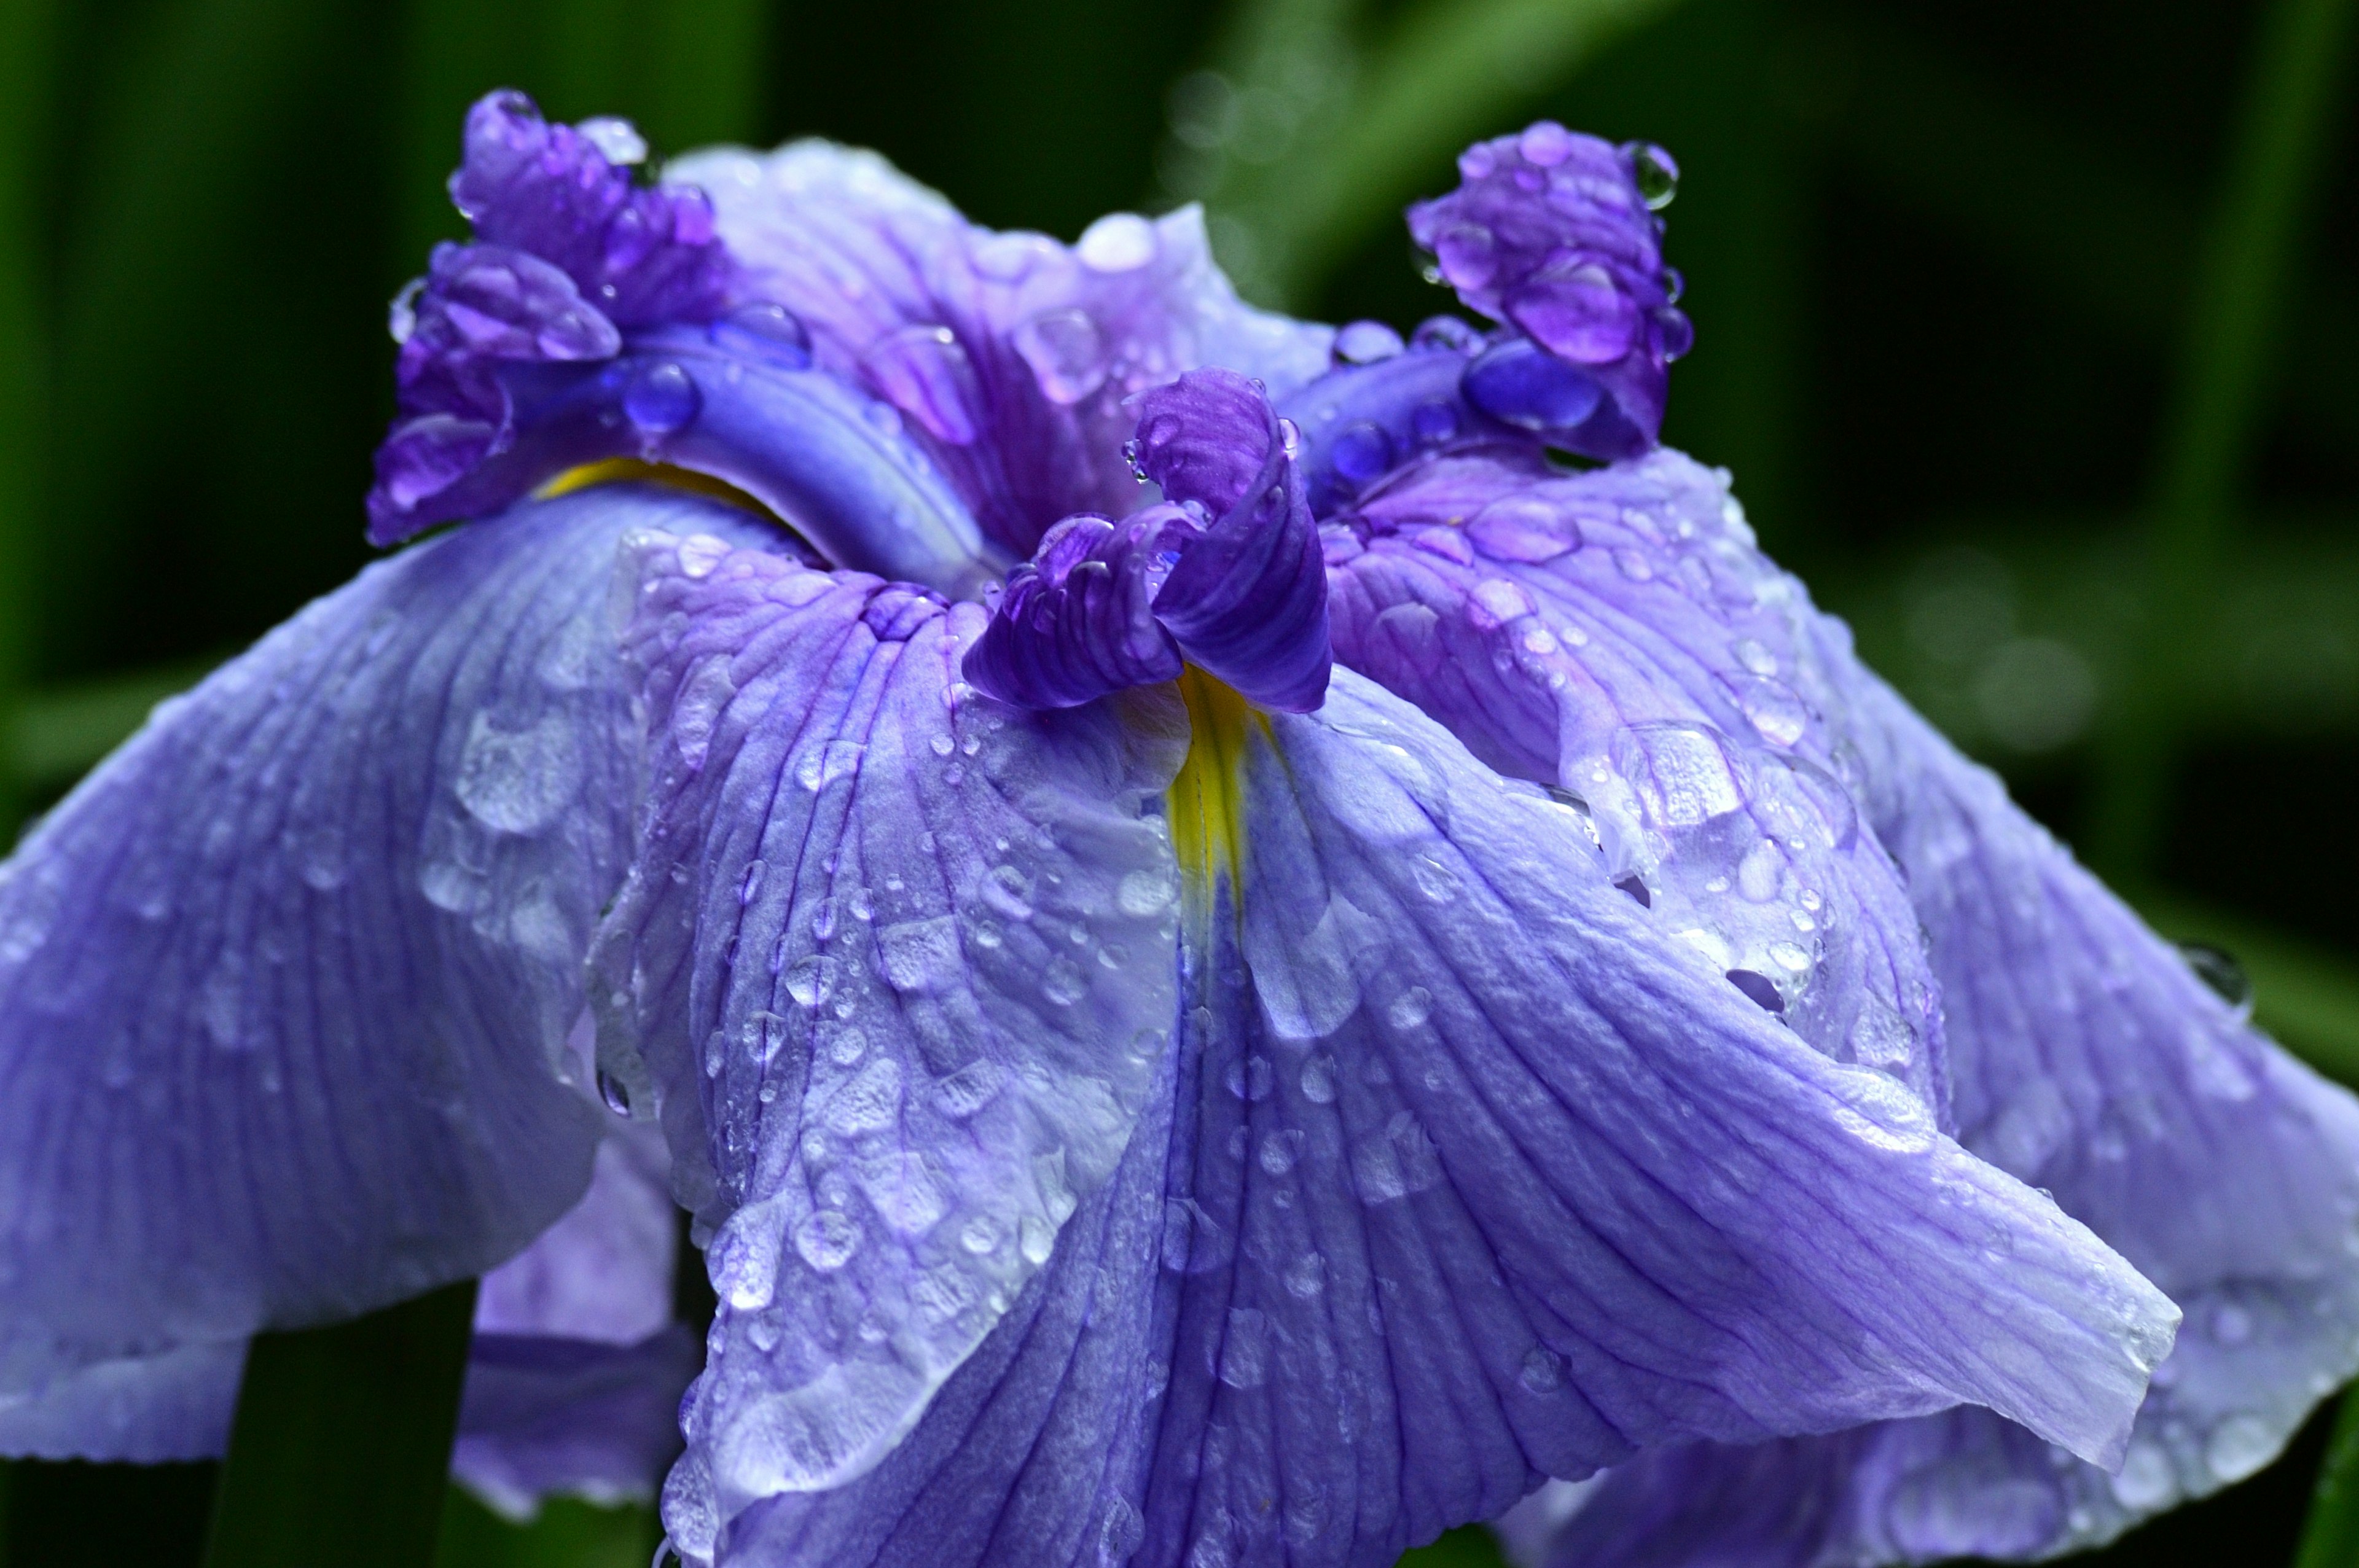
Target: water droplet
x,y
1656,172
813,978
1035,1238
2219,971
926,374
1543,1370
1362,451
1145,893
749,886
1759,988
1411,1008
1633,563
764,332
2147,1479
1319,1080
1119,242
1366,343
1522,528
1062,982
1009,891
661,398
401,315
1066,353
919,955
2239,1447
1521,383
2232,1325
517,781
978,1234
614,1092
821,766
1245,1350
827,1239
1437,881
1789,957
617,140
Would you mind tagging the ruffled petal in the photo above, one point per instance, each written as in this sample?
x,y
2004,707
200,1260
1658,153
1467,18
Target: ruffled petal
x,y
1012,353
1610,635
285,985
894,970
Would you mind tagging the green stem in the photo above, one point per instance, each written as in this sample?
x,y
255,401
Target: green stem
x,y
341,1451
2331,1540
2272,174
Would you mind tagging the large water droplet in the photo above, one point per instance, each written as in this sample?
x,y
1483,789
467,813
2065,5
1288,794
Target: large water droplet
x,y
764,332
1066,353
827,1239
1119,242
2239,1447
612,1090
1521,383
926,374
2219,970
1360,452
517,780
1365,342
661,398
1657,173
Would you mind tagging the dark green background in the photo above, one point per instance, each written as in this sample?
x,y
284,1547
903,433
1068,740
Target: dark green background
x,y
1964,275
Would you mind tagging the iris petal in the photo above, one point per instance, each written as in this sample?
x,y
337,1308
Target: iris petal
x,y
286,983
897,966
1037,344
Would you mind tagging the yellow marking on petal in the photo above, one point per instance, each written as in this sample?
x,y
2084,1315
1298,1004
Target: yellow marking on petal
x,y
1207,798
612,470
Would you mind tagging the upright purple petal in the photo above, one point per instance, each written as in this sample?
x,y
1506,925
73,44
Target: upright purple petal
x,y
1013,355
568,249
895,972
285,985
1554,233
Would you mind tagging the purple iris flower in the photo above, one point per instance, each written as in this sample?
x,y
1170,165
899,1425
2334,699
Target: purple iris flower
x,y
1240,954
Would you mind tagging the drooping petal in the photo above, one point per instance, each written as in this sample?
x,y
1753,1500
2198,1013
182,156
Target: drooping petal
x,y
284,986
2084,1055
1610,634
1485,1176
548,1417
895,968
577,1369
142,1410
1012,353
1035,1453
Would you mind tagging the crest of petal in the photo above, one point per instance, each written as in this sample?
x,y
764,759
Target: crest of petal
x,y
895,968
1012,354
285,985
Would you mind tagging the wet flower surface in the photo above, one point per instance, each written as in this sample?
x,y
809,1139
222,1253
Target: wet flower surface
x,y
1245,940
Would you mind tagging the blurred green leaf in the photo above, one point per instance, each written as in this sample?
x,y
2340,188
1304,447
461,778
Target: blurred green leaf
x,y
707,62
27,29
181,130
1319,138
1470,1546
2240,283
340,1450
565,1533
59,735
2332,1540
453,52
